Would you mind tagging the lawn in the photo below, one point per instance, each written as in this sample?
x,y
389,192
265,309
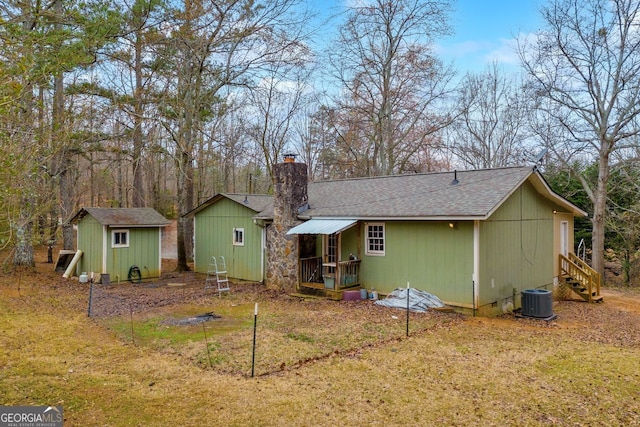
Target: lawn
x,y
318,362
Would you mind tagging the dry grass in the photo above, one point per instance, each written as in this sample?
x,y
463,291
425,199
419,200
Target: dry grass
x,y
345,364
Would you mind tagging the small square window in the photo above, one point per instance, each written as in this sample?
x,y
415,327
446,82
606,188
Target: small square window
x,y
238,236
374,244
120,238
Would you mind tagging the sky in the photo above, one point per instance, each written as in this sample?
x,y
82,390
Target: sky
x,y
484,31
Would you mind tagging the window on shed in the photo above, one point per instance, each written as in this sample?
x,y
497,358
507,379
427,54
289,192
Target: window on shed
x,y
374,244
120,239
238,236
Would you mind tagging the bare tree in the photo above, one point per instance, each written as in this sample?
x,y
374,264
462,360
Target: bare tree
x,y
391,81
275,103
490,130
585,65
211,46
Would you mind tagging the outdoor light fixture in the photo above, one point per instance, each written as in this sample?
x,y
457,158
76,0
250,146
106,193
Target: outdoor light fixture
x,y
555,211
452,225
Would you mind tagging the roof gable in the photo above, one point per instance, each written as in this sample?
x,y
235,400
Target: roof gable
x,y
123,217
255,202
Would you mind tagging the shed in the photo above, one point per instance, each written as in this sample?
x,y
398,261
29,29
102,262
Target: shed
x,y
224,225
116,240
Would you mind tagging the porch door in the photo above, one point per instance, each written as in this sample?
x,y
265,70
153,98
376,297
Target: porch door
x,y
331,248
331,256
564,238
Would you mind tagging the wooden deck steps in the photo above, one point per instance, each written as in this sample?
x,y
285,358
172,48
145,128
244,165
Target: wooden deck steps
x,y
581,278
581,290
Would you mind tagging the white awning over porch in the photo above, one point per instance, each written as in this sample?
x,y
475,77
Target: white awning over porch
x,y
322,226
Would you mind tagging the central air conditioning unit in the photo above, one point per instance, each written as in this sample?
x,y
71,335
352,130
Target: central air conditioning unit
x,y
537,303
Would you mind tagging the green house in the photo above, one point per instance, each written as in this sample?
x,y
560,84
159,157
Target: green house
x,y
224,226
121,242
476,239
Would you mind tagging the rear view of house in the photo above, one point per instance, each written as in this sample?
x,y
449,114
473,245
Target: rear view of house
x,y
476,239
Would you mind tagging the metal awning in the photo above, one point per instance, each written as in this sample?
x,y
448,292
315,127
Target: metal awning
x,y
322,226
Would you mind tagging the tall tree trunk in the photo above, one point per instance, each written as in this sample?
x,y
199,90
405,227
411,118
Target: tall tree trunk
x,y
599,212
65,163
185,204
24,254
139,197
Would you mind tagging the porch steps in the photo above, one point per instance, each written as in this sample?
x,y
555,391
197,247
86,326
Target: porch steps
x,y
580,277
305,296
319,290
581,290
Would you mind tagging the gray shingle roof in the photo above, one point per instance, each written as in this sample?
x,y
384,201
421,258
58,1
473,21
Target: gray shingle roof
x,y
255,202
123,217
477,195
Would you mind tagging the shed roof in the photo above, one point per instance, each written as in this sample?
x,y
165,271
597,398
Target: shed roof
x,y
255,202
123,217
475,195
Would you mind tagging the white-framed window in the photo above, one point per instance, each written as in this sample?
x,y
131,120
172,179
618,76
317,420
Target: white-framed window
x,y
120,239
374,238
238,236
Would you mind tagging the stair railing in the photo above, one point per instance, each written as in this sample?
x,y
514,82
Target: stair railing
x,y
582,273
582,249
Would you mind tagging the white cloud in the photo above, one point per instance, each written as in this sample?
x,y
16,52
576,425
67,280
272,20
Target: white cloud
x,y
505,53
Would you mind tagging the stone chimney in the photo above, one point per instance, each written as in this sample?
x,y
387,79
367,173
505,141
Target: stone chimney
x,y
290,199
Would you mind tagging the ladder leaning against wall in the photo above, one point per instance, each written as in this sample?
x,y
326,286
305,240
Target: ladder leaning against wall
x,y
217,273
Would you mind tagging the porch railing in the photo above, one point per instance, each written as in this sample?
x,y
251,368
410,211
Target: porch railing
x,y
344,274
349,273
311,269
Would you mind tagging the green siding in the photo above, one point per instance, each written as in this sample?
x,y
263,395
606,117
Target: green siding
x,y
90,243
214,237
143,252
349,243
431,256
516,247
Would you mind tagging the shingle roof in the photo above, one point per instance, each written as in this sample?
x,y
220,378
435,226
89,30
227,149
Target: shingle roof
x,y
123,217
476,195
255,202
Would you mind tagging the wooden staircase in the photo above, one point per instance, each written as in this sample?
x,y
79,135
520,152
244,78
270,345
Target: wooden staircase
x,y
580,278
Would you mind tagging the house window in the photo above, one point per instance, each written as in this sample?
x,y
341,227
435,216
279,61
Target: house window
x,y
238,236
120,239
374,244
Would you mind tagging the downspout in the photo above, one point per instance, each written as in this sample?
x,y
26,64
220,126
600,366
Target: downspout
x,y
263,245
160,230
476,264
193,245
105,235
263,250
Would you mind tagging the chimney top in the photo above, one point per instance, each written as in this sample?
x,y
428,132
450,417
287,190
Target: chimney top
x,y
289,158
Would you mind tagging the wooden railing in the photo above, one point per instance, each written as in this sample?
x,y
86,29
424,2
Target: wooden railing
x,y
311,269
349,273
582,273
345,274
